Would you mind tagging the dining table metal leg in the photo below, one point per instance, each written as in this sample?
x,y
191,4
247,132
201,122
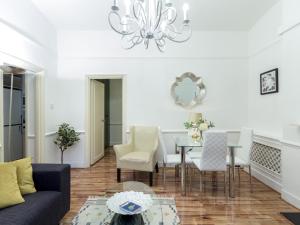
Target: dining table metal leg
x,y
176,167
183,173
232,174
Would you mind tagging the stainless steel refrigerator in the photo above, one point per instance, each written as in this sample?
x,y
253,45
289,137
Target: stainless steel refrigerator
x,y
13,124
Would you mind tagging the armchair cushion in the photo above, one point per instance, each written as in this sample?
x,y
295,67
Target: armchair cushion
x,y
140,157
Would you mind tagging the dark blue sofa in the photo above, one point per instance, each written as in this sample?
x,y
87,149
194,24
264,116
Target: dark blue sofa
x,y
49,204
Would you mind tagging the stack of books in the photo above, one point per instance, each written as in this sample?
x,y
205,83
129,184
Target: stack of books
x,y
130,207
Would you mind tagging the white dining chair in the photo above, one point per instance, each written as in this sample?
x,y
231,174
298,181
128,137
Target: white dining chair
x,y
195,153
242,155
213,157
170,160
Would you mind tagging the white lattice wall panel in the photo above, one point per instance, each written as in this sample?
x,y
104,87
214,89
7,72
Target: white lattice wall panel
x,y
267,157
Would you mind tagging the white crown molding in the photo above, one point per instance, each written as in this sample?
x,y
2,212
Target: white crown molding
x,y
264,47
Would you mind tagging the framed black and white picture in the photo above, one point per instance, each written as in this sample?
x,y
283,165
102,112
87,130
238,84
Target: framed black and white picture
x,y
269,82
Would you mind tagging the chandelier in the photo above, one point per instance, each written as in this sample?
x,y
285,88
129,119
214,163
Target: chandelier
x,y
146,20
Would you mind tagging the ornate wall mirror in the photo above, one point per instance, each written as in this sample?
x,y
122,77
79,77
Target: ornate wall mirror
x,y
188,90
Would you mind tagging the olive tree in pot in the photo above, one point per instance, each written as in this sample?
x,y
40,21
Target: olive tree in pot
x,y
66,137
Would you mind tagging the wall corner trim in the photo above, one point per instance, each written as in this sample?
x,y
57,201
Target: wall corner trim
x,y
287,28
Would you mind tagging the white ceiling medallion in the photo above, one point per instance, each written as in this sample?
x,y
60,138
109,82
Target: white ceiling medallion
x,y
146,20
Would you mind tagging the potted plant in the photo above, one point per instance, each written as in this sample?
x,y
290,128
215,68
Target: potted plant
x,y
197,127
66,137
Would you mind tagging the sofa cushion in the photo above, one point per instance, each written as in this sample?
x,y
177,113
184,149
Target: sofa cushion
x,y
9,189
40,208
141,157
24,174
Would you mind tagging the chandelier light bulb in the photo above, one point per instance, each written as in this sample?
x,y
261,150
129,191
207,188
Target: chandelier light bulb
x,y
115,6
124,24
164,26
127,7
115,3
168,3
185,8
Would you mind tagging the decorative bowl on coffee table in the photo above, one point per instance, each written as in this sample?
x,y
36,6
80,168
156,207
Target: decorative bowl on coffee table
x,y
122,216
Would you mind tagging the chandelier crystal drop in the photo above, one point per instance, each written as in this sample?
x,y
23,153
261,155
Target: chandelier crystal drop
x,y
145,20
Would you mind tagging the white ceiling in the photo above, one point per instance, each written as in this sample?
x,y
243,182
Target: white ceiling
x,y
205,14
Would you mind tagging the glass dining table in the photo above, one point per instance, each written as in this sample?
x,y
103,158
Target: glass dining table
x,y
185,143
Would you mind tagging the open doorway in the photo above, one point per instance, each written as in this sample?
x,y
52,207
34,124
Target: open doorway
x,y
14,116
20,122
106,115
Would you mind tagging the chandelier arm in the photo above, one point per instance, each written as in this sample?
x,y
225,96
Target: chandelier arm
x,y
140,12
159,13
110,23
160,45
136,2
166,11
146,42
132,44
174,39
138,39
122,24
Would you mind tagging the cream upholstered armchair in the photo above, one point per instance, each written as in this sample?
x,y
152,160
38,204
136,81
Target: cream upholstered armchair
x,y
140,153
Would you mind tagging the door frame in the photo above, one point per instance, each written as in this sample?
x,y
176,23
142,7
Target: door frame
x,y
88,119
39,109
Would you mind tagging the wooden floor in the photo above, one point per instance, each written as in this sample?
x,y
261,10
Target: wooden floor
x,y
261,207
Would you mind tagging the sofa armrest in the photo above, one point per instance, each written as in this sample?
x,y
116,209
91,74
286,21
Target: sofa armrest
x,y
53,177
122,150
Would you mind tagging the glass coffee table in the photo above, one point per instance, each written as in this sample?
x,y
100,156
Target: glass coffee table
x,y
95,211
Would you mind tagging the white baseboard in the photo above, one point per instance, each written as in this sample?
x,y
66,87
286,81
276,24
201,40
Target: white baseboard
x,y
112,143
78,165
266,178
290,198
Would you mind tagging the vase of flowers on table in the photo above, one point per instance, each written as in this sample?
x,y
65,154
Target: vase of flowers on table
x,y
197,126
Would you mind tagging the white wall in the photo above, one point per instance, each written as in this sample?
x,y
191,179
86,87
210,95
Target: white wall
x,y
264,55
28,40
219,57
274,42
290,32
115,111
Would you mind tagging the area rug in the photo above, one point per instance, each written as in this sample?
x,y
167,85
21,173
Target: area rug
x,y
293,217
95,212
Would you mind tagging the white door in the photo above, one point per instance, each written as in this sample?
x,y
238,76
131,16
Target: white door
x,y
31,117
97,120
1,118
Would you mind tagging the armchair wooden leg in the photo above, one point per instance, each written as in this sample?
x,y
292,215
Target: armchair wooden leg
x,y
164,174
118,175
156,168
250,177
151,179
239,173
201,184
225,181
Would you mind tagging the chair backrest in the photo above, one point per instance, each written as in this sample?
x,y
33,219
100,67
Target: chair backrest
x,y
246,140
214,151
144,138
163,147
